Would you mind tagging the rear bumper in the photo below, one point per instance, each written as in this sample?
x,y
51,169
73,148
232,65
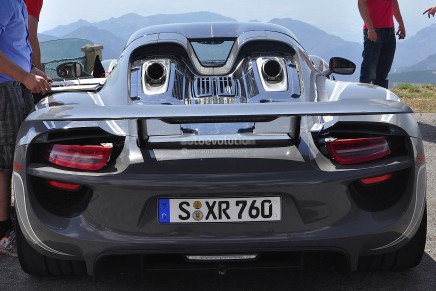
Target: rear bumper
x,y
320,212
316,216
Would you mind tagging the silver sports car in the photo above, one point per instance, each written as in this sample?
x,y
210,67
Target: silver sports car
x,y
218,144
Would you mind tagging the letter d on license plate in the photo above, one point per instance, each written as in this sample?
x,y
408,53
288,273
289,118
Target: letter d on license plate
x,y
219,210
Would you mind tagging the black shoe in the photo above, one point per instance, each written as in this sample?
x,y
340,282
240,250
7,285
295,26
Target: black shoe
x,y
5,226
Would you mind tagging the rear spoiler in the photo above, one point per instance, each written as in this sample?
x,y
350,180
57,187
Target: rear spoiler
x,y
219,112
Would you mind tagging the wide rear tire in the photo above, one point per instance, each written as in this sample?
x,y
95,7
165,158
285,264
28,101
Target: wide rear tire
x,y
34,263
406,257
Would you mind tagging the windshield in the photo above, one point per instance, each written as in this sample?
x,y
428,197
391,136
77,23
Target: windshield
x,y
212,53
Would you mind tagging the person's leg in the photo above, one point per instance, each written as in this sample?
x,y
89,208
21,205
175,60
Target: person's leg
x,y
12,113
387,54
5,192
370,54
5,195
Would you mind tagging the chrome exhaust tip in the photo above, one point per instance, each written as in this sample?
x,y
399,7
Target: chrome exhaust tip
x,y
272,71
155,73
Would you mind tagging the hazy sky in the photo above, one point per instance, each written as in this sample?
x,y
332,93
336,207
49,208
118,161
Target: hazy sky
x,y
338,17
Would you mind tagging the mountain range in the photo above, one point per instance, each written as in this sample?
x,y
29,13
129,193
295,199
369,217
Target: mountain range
x,y
414,54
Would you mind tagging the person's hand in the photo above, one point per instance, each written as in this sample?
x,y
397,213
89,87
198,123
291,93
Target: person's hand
x,y
430,11
36,84
401,32
38,72
372,35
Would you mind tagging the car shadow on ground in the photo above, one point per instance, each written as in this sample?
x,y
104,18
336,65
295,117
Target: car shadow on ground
x,y
428,132
319,273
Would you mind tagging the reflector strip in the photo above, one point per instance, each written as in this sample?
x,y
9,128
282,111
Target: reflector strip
x,y
18,167
65,186
375,180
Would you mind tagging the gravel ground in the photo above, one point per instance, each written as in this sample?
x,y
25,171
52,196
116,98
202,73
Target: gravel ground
x,y
427,123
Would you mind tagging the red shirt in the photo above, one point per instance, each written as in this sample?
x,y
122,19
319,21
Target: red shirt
x,y
34,7
381,13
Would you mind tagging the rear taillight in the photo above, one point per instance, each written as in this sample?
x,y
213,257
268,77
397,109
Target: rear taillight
x,y
358,150
81,157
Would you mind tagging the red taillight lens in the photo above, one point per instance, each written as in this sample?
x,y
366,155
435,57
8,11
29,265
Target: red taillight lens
x,y
81,157
358,150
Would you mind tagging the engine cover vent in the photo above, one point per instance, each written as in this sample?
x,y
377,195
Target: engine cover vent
x,y
203,87
226,87
214,86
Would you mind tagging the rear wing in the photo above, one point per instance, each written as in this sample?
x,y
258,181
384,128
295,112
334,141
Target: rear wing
x,y
178,114
160,126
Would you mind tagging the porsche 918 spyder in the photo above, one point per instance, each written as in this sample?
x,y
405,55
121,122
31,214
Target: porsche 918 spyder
x,y
218,144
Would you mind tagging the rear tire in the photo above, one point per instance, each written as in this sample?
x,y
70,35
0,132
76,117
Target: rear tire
x,y
407,257
34,263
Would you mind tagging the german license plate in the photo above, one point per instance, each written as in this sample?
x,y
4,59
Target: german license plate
x,y
219,210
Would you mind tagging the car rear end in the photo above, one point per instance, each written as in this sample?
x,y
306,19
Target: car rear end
x,y
216,157
87,194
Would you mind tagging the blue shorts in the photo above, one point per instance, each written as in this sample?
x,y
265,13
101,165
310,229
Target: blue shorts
x,y
13,111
